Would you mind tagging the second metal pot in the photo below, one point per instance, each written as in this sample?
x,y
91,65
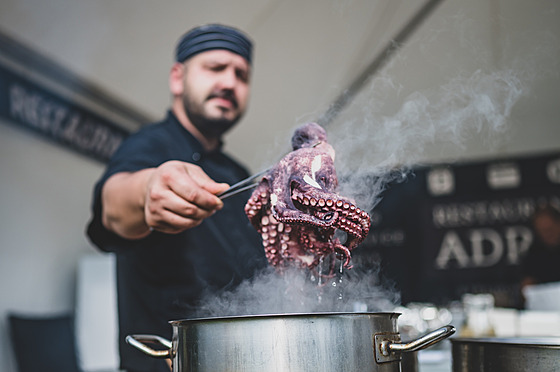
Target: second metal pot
x,y
365,342
506,354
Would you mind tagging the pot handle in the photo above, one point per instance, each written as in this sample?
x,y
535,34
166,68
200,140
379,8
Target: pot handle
x,y
138,341
388,346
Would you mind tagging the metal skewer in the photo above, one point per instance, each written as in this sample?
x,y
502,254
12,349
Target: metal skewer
x,y
249,182
246,184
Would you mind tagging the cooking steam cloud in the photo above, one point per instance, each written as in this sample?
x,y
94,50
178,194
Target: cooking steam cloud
x,y
443,118
296,291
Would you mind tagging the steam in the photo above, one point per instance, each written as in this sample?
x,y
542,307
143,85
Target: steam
x,y
301,291
377,144
382,149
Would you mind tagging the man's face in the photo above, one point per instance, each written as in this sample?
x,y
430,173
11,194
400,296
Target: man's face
x,y
216,90
548,230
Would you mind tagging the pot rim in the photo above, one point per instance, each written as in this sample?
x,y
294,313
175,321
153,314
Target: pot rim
x,y
553,342
287,315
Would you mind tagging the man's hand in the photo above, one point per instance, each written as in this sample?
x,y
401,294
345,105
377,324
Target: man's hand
x,y
179,196
170,198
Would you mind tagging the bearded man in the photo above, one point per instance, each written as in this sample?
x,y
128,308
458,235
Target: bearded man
x,y
156,206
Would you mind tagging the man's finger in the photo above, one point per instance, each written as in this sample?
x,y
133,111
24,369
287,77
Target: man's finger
x,y
204,181
190,191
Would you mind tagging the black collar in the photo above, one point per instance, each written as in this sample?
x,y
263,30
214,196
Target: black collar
x,y
193,141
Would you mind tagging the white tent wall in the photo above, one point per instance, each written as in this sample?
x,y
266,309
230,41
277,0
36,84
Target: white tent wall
x,y
44,207
307,53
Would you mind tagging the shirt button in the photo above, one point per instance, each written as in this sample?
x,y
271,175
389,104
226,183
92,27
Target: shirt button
x,y
196,156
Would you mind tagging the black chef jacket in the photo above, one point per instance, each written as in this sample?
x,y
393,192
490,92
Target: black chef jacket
x,y
542,263
160,277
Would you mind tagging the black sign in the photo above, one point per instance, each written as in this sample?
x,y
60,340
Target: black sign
x,y
25,103
454,229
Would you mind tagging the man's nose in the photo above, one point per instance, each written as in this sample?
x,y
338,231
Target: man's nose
x,y
228,79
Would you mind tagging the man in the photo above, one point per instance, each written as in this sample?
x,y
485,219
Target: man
x,y
156,205
541,264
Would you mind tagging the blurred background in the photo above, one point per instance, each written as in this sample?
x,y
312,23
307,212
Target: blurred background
x,y
444,115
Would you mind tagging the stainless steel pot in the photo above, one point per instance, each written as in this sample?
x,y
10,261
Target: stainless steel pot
x,y
288,343
506,354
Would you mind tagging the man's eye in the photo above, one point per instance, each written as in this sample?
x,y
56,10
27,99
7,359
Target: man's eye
x,y
243,76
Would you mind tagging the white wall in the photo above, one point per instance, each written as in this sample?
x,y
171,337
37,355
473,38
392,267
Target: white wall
x,y
45,193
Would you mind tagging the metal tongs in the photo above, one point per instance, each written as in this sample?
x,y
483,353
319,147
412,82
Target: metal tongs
x,y
249,182
246,184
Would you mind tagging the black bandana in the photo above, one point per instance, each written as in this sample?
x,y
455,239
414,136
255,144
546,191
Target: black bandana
x,y
213,36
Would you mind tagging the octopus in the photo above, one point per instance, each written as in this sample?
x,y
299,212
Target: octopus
x,y
296,208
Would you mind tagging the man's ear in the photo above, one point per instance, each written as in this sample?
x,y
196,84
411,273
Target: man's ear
x,y
176,79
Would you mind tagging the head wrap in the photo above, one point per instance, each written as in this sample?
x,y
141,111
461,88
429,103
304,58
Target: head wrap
x,y
213,36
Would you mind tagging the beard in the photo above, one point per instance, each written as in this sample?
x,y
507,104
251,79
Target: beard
x,y
210,126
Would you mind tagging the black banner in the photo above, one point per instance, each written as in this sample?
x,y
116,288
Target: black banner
x,y
25,103
454,229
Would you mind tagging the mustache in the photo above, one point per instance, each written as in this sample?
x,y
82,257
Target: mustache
x,y
224,94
